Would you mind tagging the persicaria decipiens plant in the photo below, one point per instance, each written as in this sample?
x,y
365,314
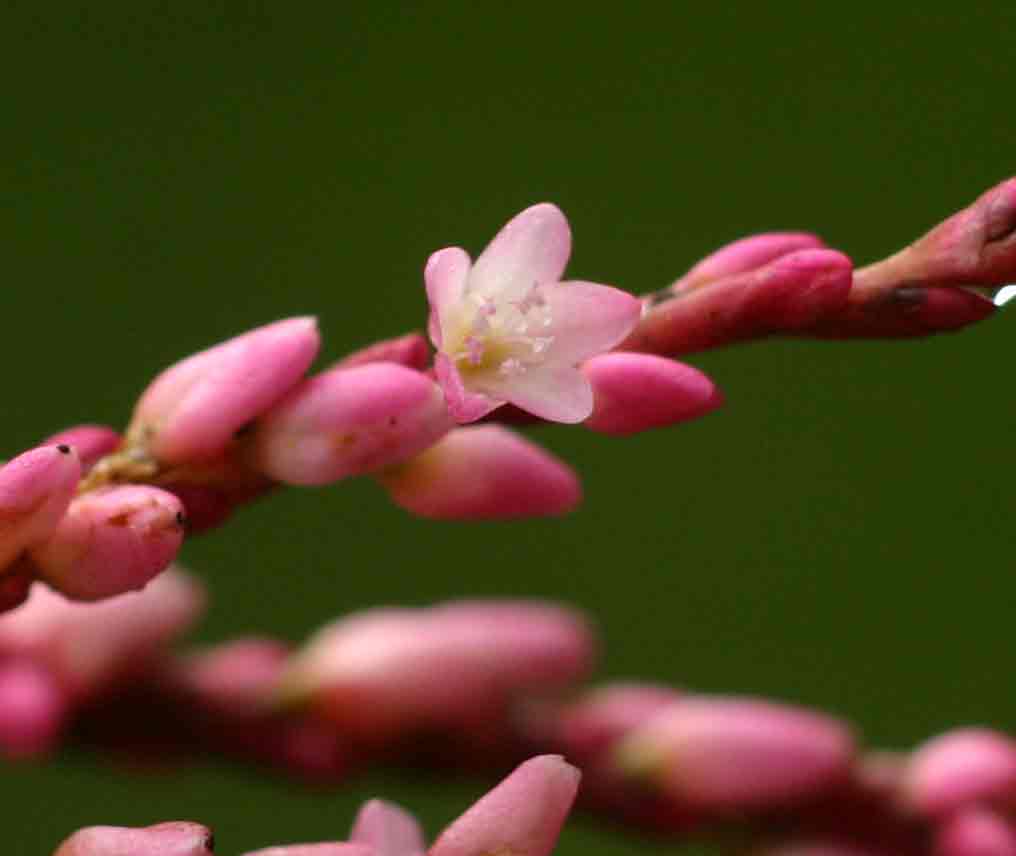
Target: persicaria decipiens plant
x,y
92,519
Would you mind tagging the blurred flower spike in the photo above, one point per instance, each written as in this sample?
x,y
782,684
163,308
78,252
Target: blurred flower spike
x,y
508,330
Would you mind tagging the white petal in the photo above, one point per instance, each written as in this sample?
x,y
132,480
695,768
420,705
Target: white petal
x,y
587,319
557,393
445,275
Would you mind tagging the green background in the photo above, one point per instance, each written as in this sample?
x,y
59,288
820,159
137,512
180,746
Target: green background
x,y
836,536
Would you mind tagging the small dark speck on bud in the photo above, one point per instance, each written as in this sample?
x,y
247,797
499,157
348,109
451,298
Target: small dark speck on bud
x,y
909,295
210,842
181,519
63,449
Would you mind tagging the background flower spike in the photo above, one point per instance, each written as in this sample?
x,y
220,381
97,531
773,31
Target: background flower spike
x,y
111,540
163,839
976,832
483,472
33,709
192,410
346,422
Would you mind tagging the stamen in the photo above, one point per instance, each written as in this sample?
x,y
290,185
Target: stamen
x,y
474,350
511,366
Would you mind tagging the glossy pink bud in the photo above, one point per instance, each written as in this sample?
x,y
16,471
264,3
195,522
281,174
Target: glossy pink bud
x,y
33,708
976,832
388,672
347,422
193,409
388,830
337,848
110,541
91,442
523,815
164,839
88,646
35,490
636,392
788,295
960,768
718,753
746,254
483,472
411,351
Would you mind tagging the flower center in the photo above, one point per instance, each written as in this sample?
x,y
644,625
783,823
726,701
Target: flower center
x,y
508,336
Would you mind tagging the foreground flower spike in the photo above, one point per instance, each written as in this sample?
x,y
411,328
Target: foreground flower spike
x,y
787,295
347,422
191,411
110,541
35,489
746,254
507,329
718,754
390,673
636,392
960,768
522,816
483,472
163,839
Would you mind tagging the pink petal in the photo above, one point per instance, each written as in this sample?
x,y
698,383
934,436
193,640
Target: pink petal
x,y
588,319
636,392
523,815
464,406
484,472
445,276
557,393
532,248
388,830
163,839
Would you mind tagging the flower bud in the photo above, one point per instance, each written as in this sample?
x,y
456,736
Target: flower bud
x,y
35,490
110,541
337,848
192,410
411,351
163,839
388,830
976,832
347,422
32,709
636,392
91,442
744,255
484,472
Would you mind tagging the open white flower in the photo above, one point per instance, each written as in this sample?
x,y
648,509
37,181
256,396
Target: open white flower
x,y
508,330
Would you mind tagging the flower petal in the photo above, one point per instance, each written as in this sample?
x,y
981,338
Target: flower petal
x,y
445,275
533,247
557,393
587,319
464,406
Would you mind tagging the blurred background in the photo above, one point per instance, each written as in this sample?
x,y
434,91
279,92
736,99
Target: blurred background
x,y
835,536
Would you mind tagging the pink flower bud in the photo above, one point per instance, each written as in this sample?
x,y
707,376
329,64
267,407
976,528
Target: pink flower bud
x,y
732,754
191,411
523,815
960,768
388,672
110,541
336,848
976,832
388,830
348,422
411,351
788,295
35,489
164,839
636,392
89,646
746,254
91,442
483,472
32,709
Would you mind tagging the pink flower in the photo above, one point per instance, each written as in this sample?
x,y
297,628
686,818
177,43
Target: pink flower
x,y
508,330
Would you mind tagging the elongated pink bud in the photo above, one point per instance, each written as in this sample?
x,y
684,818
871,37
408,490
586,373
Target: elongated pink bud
x,y
411,351
164,839
483,472
636,392
976,832
88,646
35,490
91,442
336,848
960,768
790,294
731,753
389,672
110,541
348,422
192,410
33,709
523,815
746,254
388,830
